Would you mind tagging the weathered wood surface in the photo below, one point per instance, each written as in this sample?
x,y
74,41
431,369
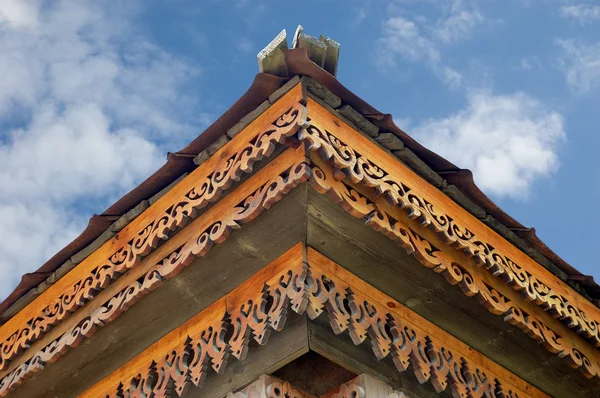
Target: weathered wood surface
x,y
171,212
363,162
283,348
302,280
314,373
382,263
363,386
360,359
270,387
204,281
243,205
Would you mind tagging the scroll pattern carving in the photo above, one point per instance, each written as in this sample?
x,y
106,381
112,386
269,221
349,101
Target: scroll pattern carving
x,y
359,169
208,189
309,289
324,180
247,210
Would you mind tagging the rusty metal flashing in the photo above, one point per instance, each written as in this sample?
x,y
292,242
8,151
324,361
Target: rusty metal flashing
x,y
457,183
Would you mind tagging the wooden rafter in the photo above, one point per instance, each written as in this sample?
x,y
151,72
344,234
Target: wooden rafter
x,y
368,182
307,282
475,264
125,251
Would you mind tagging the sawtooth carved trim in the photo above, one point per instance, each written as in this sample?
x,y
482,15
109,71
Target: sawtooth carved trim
x,y
207,189
245,211
311,289
358,168
329,181
349,163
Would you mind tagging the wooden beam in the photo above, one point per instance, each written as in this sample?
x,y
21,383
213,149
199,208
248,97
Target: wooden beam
x,y
382,263
171,212
306,281
283,348
242,206
479,252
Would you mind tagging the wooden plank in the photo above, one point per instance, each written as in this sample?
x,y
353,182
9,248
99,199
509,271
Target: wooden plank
x,y
360,359
561,299
190,233
208,324
304,280
283,348
137,239
395,331
433,253
383,303
382,263
203,282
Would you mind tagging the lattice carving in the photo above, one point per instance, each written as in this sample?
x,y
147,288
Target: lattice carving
x,y
427,254
358,168
350,164
209,188
303,288
247,210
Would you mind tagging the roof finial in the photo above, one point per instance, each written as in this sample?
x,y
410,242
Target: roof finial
x,y
323,51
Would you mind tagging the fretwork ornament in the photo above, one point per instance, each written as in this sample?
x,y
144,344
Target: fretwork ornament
x,y
208,187
351,164
348,165
245,211
312,290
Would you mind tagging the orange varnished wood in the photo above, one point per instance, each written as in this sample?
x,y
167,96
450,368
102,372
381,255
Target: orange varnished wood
x,y
137,239
242,205
305,281
431,250
292,259
438,336
511,265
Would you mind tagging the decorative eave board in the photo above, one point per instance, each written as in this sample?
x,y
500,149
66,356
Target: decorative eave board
x,y
367,181
304,281
203,186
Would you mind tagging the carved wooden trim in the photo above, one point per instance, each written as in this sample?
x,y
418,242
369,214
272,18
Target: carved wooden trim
x,y
289,171
138,239
366,163
390,221
310,285
393,183
270,387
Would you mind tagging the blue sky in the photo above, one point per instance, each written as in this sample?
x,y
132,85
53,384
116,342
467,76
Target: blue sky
x,y
94,94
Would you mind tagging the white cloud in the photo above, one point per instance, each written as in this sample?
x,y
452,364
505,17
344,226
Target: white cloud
x,y
508,141
582,13
403,37
459,25
19,13
245,44
85,103
581,64
421,40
